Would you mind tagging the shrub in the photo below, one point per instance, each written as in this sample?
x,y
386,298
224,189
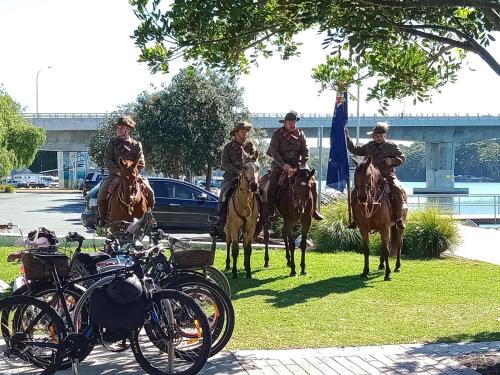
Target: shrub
x,y
8,188
429,232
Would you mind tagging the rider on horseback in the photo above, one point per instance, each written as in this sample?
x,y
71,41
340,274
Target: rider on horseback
x,y
288,148
123,146
231,164
386,155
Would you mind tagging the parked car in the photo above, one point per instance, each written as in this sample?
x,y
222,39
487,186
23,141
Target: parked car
x,y
91,180
180,207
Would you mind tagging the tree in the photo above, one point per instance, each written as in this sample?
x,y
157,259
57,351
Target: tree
x,y
19,140
410,46
44,160
183,128
106,132
414,167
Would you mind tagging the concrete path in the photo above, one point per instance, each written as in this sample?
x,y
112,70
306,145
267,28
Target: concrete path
x,y
415,359
479,244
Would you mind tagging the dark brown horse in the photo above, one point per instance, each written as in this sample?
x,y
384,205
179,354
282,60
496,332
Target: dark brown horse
x,y
295,204
372,211
128,194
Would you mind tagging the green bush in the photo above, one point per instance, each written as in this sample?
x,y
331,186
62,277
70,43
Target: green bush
x,y
8,188
429,232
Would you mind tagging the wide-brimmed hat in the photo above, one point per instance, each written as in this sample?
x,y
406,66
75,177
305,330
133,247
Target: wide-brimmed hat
x,y
125,120
380,128
290,116
243,125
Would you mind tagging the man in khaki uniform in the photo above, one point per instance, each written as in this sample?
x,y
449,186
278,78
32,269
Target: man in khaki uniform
x,y
288,148
232,162
386,155
128,149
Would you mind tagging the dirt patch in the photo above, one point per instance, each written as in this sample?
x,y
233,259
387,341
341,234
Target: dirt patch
x,y
484,363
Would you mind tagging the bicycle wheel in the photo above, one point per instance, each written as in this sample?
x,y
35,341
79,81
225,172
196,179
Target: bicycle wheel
x,y
218,278
215,304
32,347
45,291
175,338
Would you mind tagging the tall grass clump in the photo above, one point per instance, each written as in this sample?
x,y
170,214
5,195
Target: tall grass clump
x,y
429,232
331,234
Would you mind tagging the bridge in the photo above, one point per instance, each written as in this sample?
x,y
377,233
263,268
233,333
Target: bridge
x,y
70,132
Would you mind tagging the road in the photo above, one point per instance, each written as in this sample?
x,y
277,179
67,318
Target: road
x,y
59,212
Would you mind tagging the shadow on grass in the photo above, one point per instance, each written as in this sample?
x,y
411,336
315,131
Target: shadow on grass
x,y
466,337
322,288
240,285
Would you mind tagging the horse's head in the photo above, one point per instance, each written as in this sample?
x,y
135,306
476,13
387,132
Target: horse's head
x,y
364,178
250,170
129,170
302,187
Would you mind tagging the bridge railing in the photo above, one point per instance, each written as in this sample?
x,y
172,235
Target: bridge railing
x,y
65,115
472,206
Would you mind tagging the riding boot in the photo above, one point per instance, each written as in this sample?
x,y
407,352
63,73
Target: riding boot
x,y
397,206
103,212
352,225
221,217
316,214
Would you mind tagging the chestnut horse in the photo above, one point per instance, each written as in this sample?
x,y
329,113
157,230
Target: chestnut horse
x,y
371,207
295,204
128,194
243,214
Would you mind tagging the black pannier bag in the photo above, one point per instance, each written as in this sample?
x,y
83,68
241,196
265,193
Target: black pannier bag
x,y
116,316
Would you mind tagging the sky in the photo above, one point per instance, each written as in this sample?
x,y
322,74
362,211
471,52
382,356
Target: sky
x,y
94,66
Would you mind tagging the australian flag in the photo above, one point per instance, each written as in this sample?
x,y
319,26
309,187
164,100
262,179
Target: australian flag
x,y
338,164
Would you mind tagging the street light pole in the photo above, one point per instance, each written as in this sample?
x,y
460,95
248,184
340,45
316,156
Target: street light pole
x,y
36,84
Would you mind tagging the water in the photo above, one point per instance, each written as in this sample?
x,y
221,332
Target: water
x,y
483,201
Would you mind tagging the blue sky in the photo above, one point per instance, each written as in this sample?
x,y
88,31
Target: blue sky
x,y
94,66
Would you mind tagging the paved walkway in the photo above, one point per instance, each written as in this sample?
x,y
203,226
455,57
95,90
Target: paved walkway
x,y
418,359
479,244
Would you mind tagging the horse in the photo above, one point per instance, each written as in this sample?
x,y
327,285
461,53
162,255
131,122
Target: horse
x,y
295,204
243,214
128,198
370,202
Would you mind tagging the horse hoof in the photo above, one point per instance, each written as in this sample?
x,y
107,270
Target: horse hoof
x,y
266,265
248,276
227,269
364,275
381,267
293,273
303,273
397,270
388,278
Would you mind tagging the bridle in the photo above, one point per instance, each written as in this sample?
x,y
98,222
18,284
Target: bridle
x,y
292,194
248,190
374,202
248,181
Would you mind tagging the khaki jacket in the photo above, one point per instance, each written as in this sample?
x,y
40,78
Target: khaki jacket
x,y
288,148
379,152
232,160
128,150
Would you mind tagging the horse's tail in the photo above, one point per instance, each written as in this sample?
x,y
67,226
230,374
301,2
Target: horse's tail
x,y
396,243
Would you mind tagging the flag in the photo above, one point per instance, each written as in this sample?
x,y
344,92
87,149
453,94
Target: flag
x,y
338,164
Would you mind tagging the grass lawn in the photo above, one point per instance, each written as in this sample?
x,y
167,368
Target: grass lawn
x,y
429,301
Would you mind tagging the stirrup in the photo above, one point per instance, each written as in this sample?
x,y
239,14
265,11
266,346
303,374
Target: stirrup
x,y
214,220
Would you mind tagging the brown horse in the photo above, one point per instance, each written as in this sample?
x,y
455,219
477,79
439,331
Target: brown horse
x,y
243,214
128,194
295,204
372,211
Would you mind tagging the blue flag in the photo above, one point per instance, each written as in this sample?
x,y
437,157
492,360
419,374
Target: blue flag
x,y
338,164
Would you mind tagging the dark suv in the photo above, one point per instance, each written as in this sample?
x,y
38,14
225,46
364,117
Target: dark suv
x,y
180,207
91,180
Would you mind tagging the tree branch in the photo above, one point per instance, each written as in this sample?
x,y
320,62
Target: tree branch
x,y
434,3
493,17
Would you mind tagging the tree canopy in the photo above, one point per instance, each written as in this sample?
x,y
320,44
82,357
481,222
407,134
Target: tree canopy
x,y
410,46
19,140
183,128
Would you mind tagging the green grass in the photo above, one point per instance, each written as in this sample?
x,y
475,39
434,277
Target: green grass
x,y
439,300
429,301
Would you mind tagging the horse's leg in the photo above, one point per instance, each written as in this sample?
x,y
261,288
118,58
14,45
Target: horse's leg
x,y
228,247
306,224
287,246
396,244
291,247
247,248
266,247
235,251
365,234
384,236
381,264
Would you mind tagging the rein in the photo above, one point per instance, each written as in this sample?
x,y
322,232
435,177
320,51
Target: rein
x,y
244,191
374,204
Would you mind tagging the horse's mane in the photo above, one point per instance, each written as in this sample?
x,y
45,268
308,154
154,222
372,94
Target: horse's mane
x,y
370,168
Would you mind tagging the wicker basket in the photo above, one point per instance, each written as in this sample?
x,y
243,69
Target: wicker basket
x,y
36,270
193,258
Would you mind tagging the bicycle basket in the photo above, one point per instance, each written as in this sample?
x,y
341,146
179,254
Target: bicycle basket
x,y
34,269
193,258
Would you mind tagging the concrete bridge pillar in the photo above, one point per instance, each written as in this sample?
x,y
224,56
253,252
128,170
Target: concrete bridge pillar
x,y
62,161
439,169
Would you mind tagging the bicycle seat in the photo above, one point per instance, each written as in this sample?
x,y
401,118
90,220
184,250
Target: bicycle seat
x,y
92,258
